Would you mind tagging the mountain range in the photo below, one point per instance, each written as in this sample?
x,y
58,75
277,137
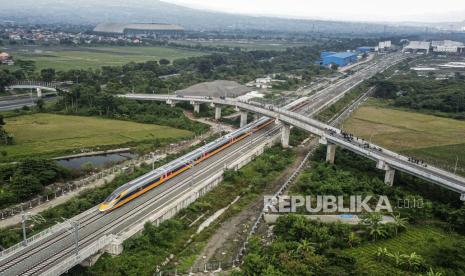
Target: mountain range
x,y
138,11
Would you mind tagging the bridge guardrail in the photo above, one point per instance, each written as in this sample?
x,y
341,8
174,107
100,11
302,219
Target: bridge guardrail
x,y
42,234
85,253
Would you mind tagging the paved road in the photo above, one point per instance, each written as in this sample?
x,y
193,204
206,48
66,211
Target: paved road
x,y
17,102
43,255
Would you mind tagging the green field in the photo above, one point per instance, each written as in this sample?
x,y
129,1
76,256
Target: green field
x,y
45,134
246,44
422,240
437,140
95,57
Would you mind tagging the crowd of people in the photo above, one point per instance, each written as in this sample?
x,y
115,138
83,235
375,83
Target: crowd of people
x,y
417,161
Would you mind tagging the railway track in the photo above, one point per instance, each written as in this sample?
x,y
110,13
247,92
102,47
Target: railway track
x,y
113,223
50,250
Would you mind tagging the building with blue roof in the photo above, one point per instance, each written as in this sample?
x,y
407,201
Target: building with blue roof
x,y
341,59
365,49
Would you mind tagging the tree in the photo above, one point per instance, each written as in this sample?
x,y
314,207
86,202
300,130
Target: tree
x,y
400,223
47,74
25,187
40,104
412,262
373,223
2,121
385,89
164,61
205,66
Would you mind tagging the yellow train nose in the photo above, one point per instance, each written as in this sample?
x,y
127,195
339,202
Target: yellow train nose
x,y
103,207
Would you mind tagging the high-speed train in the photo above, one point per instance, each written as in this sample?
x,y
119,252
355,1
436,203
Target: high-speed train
x,y
148,181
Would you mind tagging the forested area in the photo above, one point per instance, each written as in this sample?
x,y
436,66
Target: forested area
x,y
442,97
5,137
306,247
28,178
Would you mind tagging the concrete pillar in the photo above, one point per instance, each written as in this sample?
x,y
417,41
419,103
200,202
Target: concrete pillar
x,y
115,247
196,107
330,153
285,131
171,103
462,197
217,113
389,176
243,118
39,93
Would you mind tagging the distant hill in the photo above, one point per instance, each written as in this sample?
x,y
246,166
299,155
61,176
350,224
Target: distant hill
x,y
94,12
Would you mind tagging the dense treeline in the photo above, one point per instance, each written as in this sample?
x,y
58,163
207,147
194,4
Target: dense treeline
x,y
5,137
28,178
427,94
84,201
87,101
306,247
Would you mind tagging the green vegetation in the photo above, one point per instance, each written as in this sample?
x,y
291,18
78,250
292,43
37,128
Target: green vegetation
x,y
144,252
84,201
5,137
442,139
62,59
432,244
407,246
28,178
425,94
336,108
249,45
49,134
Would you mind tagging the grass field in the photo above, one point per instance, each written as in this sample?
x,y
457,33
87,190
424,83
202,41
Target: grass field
x,y
246,44
95,57
45,134
437,140
419,239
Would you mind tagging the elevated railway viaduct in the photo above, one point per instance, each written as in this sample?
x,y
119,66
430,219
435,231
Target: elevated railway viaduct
x,y
385,159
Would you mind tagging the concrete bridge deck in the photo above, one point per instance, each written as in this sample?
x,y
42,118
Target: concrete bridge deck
x,y
387,160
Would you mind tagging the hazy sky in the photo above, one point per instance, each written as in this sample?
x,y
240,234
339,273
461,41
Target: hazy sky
x,y
358,10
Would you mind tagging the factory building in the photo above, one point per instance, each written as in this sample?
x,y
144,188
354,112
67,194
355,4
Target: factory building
x,y
341,59
365,49
384,46
418,47
139,29
448,47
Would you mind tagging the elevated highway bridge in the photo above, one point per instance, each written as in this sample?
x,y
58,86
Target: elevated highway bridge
x,y
57,249
386,159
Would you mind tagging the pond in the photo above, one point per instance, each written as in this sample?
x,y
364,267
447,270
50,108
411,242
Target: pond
x,y
98,161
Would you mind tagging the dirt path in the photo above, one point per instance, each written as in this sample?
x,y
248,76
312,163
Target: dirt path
x,y
224,244
215,125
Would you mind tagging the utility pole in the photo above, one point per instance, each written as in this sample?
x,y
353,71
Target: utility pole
x,y
153,161
23,223
75,226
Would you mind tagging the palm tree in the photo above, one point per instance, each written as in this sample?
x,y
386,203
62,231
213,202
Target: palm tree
x,y
375,228
377,231
351,239
382,253
413,261
305,246
400,223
